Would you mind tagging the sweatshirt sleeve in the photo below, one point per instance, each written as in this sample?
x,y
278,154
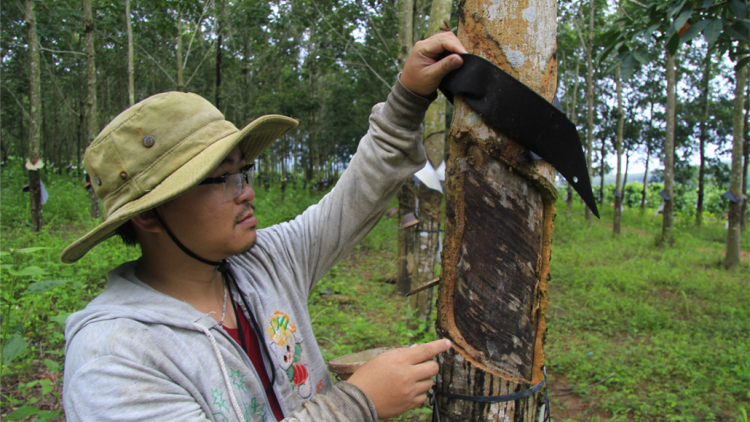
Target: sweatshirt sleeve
x,y
344,403
387,155
116,389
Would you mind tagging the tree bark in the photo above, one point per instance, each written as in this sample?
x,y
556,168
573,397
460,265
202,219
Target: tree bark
x,y
618,144
178,55
131,87
590,95
618,148
499,220
35,120
573,115
405,263
746,151
92,118
734,234
405,37
430,201
602,162
668,212
648,150
704,120
220,29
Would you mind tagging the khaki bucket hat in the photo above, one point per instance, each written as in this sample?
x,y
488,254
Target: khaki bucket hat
x,y
158,149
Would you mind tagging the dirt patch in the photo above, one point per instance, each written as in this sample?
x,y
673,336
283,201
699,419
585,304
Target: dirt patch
x,y
567,405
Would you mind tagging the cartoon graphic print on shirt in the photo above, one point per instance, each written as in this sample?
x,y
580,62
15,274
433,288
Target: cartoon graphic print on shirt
x,y
288,351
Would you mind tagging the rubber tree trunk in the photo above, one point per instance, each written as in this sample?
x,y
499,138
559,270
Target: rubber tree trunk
x,y
35,120
648,151
430,201
573,115
131,85
618,150
668,212
405,263
92,118
743,212
492,297
590,95
734,234
704,121
618,143
602,163
220,29
178,54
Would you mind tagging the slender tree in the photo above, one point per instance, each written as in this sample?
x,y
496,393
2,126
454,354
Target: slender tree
x,y
92,119
590,94
734,234
429,200
619,139
703,135
131,88
499,221
35,121
178,54
648,144
406,261
219,5
668,211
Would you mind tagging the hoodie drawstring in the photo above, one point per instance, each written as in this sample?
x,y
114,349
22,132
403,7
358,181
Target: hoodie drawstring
x,y
215,345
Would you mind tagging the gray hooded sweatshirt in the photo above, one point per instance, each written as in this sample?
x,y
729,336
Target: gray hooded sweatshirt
x,y
136,354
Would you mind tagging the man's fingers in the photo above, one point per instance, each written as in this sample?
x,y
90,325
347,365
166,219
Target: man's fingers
x,y
444,67
426,370
438,44
427,351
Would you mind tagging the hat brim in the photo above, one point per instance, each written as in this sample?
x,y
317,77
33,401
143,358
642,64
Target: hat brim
x,y
253,139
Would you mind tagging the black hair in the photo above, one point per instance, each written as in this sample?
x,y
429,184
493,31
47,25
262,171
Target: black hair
x,y
127,234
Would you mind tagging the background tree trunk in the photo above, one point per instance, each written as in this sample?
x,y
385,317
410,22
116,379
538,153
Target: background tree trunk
x,y
618,144
405,264
178,55
704,120
734,234
92,118
648,150
220,30
35,120
590,95
668,212
618,148
430,201
573,115
131,88
499,212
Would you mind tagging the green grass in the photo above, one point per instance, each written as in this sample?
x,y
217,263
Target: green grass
x,y
670,323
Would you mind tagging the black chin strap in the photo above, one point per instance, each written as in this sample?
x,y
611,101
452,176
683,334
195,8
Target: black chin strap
x,y
223,268
222,265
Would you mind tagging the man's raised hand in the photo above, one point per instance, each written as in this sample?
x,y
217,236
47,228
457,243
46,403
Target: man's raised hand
x,y
398,380
423,71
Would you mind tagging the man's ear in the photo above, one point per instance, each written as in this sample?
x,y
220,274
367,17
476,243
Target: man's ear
x,y
147,222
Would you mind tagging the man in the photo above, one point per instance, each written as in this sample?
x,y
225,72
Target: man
x,y
211,323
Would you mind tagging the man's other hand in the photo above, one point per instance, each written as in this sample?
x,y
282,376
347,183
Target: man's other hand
x,y
398,380
423,71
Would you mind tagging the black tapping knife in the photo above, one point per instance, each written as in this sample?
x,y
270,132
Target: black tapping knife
x,y
516,110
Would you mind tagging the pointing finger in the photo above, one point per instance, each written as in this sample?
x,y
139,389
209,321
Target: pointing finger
x,y
427,351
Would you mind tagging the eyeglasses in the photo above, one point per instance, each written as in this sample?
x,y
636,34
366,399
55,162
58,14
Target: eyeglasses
x,y
233,182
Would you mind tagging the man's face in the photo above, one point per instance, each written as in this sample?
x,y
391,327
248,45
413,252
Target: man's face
x,y
210,224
